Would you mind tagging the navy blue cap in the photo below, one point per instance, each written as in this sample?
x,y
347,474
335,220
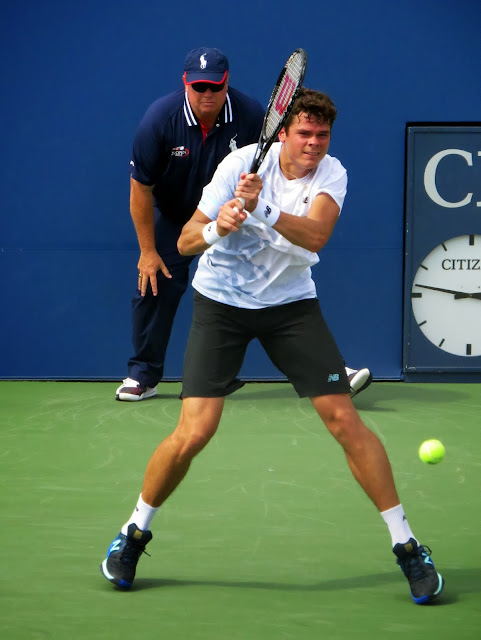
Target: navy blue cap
x,y
206,65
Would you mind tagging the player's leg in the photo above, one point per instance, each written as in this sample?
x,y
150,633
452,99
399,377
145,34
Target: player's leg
x,y
301,345
364,451
167,467
304,349
199,419
370,466
214,355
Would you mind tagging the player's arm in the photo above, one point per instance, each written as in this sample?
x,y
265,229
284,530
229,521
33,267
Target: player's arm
x,y
142,212
200,232
311,232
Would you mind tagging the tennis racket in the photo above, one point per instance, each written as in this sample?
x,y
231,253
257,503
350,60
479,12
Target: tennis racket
x,y
280,105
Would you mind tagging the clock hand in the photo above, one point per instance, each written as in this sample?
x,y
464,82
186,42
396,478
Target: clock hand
x,y
458,295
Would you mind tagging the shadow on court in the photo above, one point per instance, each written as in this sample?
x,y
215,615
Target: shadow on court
x,y
337,584
458,583
378,392
376,398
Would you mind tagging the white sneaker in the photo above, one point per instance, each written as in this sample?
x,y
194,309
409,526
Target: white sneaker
x,y
132,391
358,380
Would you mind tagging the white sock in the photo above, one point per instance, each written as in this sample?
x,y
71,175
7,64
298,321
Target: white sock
x,y
142,516
398,525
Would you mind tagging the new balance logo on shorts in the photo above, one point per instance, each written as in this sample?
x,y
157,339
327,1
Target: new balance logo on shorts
x,y
333,377
267,211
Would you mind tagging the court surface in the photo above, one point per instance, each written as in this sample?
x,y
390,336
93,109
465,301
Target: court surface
x,y
268,538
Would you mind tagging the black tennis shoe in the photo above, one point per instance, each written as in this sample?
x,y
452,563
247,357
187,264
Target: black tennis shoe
x,y
123,555
416,564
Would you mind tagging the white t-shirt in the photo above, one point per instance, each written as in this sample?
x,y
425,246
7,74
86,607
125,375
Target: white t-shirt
x,y
257,267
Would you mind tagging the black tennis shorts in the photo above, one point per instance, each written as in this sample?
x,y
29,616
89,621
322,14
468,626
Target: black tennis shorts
x,y
295,336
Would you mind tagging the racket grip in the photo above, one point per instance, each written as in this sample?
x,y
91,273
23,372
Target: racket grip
x,y
243,204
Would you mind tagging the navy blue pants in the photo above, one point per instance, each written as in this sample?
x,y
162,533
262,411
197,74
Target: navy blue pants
x,y
153,316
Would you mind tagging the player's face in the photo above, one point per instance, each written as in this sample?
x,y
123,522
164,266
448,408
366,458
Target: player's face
x,y
208,104
305,144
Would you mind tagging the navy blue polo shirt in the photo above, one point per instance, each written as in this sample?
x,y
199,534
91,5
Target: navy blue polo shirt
x,y
169,151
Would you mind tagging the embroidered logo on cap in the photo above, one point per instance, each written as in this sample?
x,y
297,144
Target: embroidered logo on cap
x,y
203,61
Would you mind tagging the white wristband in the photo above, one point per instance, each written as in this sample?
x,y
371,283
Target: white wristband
x,y
266,212
210,233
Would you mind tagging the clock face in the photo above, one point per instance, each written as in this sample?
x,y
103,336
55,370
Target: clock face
x,y
446,296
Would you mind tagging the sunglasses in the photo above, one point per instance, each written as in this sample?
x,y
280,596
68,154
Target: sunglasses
x,y
201,87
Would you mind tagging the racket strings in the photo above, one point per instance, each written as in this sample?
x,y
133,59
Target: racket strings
x,y
293,74
280,104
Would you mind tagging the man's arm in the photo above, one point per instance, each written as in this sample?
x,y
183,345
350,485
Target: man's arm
x,y
192,240
311,232
142,212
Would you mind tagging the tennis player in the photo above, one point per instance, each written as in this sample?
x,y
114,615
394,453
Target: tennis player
x,y
254,281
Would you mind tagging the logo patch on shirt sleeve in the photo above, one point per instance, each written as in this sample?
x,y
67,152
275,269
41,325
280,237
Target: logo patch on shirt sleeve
x,y
180,152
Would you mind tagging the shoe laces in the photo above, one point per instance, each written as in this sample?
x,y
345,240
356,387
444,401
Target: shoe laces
x,y
132,552
414,565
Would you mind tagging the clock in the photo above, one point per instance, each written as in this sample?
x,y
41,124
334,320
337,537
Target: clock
x,y
446,296
441,337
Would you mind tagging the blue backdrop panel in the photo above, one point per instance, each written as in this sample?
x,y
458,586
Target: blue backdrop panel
x,y
74,88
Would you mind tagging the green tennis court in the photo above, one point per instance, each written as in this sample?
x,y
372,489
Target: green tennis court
x,y
268,538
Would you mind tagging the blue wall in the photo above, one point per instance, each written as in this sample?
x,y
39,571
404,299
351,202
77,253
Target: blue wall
x,y
76,79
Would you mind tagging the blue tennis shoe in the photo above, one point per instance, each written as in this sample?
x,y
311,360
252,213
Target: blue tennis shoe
x,y
415,561
123,555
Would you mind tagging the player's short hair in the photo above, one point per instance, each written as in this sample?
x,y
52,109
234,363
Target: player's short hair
x,y
316,105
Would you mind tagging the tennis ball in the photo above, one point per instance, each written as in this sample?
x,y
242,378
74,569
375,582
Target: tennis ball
x,y
431,451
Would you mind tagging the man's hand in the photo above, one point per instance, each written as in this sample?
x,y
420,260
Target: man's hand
x,y
230,218
148,265
249,188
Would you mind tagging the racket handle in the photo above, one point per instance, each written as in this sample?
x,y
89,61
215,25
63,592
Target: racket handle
x,y
243,204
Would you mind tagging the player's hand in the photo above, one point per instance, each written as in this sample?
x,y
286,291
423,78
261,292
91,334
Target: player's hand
x,y
148,265
249,188
231,217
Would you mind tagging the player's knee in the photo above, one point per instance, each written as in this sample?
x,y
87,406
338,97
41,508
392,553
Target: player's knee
x,y
191,442
196,442
343,424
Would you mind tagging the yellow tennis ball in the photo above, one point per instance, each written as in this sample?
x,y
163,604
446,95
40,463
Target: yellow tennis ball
x,y
431,451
